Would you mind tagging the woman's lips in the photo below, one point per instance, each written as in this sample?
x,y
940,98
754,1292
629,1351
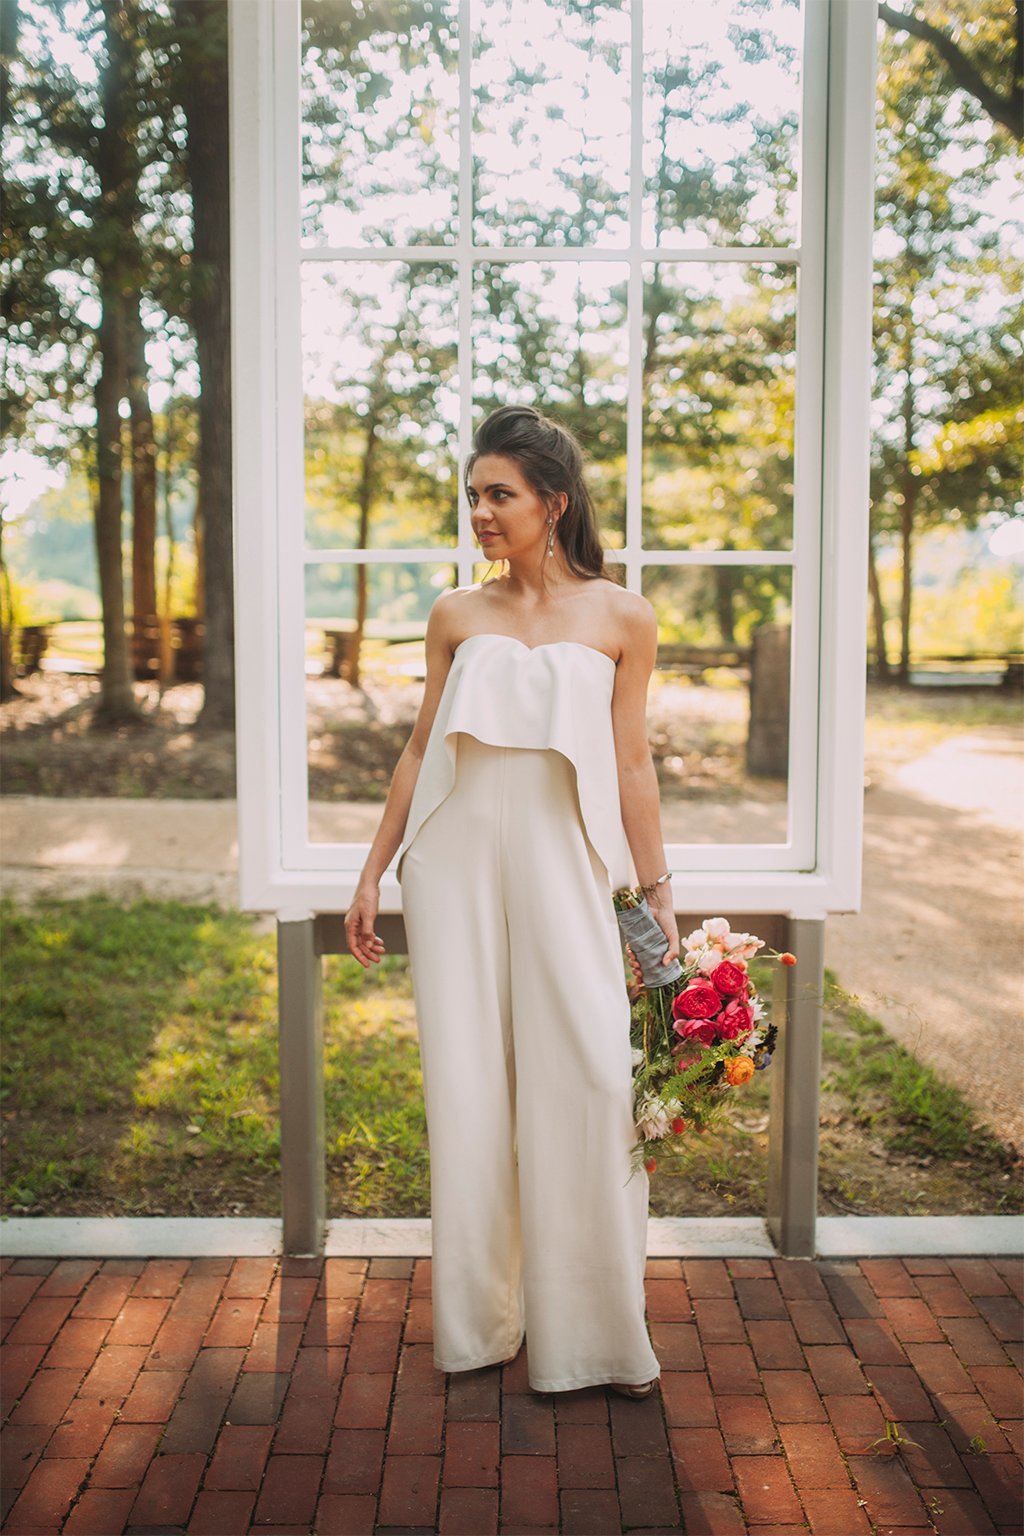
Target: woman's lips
x,y
483,537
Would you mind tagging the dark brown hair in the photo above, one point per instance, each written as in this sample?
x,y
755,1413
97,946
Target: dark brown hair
x,y
551,461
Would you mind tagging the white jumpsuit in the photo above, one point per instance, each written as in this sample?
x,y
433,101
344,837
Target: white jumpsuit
x,y
513,844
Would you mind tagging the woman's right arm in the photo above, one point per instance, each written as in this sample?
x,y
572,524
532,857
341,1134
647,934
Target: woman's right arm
x,y
362,914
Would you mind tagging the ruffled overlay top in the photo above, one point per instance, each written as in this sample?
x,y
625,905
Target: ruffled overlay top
x,y
507,694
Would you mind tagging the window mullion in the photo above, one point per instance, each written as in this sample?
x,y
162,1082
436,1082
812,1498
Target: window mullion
x,y
464,258
635,303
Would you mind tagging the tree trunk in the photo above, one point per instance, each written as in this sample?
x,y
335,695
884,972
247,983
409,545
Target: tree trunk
x,y
725,588
117,702
363,539
878,616
8,690
144,604
908,506
204,59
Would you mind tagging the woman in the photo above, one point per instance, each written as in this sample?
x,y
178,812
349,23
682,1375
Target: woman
x,y
525,795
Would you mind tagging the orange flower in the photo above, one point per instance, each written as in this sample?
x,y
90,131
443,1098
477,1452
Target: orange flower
x,y
787,959
738,1070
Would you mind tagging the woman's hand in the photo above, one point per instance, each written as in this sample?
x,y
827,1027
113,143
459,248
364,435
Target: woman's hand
x,y
359,921
663,912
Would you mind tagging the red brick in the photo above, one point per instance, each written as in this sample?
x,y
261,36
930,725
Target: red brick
x,y
290,1488
345,1514
100,1512
851,1295
152,1397
858,1422
290,1299
221,1514
663,1269
816,1322
1004,1315
77,1344
930,1458
707,1277
234,1322
473,1395
586,1405
529,1491
105,1295
965,1417
18,1364
590,1512
527,1426
342,1277
161,1277
354,1462
638,1428
47,1495
408,1491
700,1461
998,1480
274,1347
374,1346
747,1426
888,1277
127,1452
515,1377
667,1301
16,1291
258,1398
955,1511
815,1460
383,1301
719,1320
938,1368
926,1265
731,1368
68,1277
46,1398
115,1371
711,1514
911,1319
239,1457
799,1281
215,1371
677,1346
775,1346
765,1490
305,1424
687,1399
421,1277
250,1277
834,1512
945,1296
793,1397
176,1345
21,1448
973,1341
168,1492
646,1492
584,1456
198,1298
416,1373
760,1299
83,1429
41,1320
330,1321
138,1320
874,1342
1001,1387
419,1321
472,1452
750,1269
1013,1429
317,1372
890,1497
416,1426
835,1370
468,1512
364,1401
899,1392
978,1277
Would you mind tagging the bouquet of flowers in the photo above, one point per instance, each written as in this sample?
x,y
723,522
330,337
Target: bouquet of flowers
x,y
698,1028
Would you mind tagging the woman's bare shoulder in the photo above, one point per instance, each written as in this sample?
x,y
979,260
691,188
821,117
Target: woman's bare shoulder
x,y
453,613
631,614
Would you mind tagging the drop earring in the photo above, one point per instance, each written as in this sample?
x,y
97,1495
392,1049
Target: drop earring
x,y
551,537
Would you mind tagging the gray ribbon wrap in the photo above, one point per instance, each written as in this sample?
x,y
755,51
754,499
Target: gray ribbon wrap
x,y
648,942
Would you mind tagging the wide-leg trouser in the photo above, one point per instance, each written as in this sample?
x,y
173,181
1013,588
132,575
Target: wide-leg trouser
x,y
538,1224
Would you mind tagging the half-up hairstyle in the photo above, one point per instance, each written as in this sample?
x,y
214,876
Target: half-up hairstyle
x,y
551,461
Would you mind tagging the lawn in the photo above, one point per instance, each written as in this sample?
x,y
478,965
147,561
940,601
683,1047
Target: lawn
x,y
140,1078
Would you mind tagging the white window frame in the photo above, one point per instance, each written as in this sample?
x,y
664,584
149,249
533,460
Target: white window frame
x,y
817,869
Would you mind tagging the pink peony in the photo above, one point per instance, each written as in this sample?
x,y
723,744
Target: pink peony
x,y
736,1019
728,978
696,1029
700,1000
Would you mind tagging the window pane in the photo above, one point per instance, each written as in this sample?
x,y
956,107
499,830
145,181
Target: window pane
x,y
379,122
721,114
551,92
720,382
553,335
718,710
381,404
363,686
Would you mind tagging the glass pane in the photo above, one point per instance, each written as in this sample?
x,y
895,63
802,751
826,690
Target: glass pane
x,y
719,392
721,115
380,84
381,404
553,335
364,684
718,709
551,95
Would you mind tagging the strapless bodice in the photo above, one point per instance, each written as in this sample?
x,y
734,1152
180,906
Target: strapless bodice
x,y
555,696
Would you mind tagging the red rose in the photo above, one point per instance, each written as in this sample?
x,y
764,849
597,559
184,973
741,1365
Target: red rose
x,y
728,978
697,1029
699,1001
735,1019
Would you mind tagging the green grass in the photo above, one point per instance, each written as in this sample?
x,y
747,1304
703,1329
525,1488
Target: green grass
x,y
140,1077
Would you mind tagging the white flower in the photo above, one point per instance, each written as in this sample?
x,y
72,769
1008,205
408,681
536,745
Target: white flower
x,y
757,1008
652,1119
742,945
709,960
755,1038
637,1056
715,927
692,956
696,939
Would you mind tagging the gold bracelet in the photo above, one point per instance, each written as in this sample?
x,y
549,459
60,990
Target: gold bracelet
x,y
649,890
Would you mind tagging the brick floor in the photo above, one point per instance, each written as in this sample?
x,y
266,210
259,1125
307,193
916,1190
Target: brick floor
x,y
879,1398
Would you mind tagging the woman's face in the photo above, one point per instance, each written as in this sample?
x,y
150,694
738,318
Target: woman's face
x,y
509,518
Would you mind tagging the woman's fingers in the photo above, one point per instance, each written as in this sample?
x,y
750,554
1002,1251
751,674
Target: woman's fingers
x,y
362,941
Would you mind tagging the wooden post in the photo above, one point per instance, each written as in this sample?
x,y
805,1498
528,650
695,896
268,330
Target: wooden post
x,y
301,1061
796,1077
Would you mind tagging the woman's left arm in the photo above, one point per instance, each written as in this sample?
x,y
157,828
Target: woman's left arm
x,y
638,781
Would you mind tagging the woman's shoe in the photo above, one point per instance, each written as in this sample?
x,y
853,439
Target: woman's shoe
x,y
635,1392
